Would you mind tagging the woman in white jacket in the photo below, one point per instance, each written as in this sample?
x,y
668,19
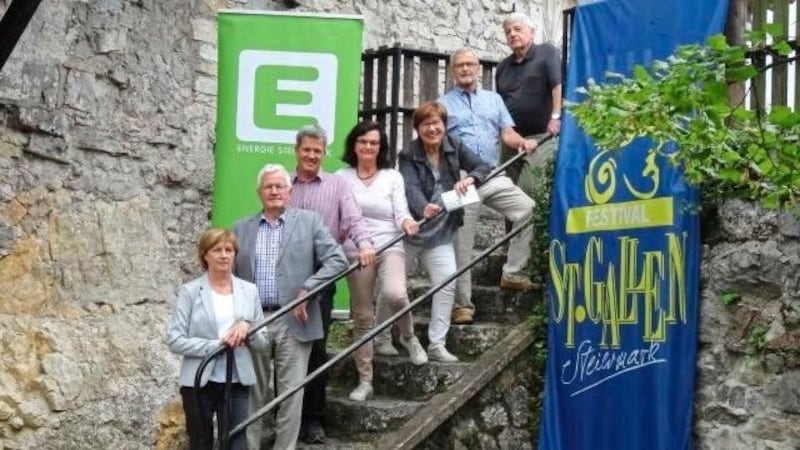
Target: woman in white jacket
x,y
212,310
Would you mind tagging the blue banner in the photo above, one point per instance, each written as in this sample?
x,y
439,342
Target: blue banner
x,y
624,254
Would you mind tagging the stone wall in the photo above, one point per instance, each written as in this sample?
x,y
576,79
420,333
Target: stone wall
x,y
499,417
748,393
106,164
504,415
748,379
107,112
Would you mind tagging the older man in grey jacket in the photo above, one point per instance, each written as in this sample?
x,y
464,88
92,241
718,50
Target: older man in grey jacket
x,y
286,252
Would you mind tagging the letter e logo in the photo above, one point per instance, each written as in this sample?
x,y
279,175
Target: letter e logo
x,y
269,111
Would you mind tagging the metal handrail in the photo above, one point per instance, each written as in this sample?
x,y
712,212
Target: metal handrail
x,y
289,306
376,330
13,24
294,303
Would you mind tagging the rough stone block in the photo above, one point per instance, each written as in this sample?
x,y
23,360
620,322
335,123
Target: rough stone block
x,y
85,92
517,401
62,380
740,220
205,85
515,438
492,304
788,223
397,377
374,415
784,392
465,340
98,243
204,30
110,40
26,284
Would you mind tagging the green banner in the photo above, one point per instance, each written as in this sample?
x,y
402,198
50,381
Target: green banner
x,y
276,73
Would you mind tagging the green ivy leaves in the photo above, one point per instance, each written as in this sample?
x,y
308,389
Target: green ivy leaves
x,y
729,150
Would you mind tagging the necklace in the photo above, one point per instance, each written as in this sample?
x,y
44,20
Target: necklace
x,y
366,177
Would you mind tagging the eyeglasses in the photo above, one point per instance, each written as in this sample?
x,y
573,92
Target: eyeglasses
x,y
465,64
363,141
274,187
431,123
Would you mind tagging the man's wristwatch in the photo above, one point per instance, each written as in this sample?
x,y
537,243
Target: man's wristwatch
x,y
555,116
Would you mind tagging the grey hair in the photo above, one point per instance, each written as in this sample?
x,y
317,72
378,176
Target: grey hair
x,y
314,132
462,51
273,168
519,17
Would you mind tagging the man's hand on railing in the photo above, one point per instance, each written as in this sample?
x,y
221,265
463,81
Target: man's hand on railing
x,y
529,146
300,312
410,227
236,334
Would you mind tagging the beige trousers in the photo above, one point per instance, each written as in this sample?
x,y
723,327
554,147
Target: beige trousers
x,y
390,271
501,195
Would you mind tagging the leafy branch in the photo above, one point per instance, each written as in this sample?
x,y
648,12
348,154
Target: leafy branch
x,y
682,105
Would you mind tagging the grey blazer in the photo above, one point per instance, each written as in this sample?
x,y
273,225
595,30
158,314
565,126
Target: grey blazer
x,y
192,329
308,256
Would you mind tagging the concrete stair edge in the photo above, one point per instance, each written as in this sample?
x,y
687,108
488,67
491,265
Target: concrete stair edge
x,y
442,406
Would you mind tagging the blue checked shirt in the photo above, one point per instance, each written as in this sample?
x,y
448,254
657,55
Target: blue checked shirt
x,y
477,118
268,243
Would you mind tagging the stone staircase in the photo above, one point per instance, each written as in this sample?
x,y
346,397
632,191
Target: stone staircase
x,y
412,402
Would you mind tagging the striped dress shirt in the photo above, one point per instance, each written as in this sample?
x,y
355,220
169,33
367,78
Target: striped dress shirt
x,y
331,197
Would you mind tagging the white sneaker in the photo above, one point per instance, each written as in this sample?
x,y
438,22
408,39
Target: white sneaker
x,y
386,348
415,351
362,392
439,353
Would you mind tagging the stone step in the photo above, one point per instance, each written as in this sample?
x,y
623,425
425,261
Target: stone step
x,y
362,421
492,304
485,272
397,377
336,444
465,341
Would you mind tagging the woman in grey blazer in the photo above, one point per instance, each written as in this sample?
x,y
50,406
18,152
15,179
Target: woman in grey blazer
x,y
215,309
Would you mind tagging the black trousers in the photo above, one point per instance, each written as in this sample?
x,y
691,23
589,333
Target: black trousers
x,y
199,420
314,397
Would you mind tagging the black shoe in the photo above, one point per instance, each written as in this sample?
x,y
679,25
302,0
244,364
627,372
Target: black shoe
x,y
314,434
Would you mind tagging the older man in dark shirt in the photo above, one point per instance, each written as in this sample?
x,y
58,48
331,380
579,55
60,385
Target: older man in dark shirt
x,y
529,81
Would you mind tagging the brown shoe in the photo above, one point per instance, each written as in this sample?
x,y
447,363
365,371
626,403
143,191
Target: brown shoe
x,y
518,283
462,316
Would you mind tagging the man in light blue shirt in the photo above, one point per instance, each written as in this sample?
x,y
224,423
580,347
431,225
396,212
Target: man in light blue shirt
x,y
477,116
481,120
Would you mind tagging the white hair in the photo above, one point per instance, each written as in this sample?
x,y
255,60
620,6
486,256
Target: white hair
x,y
462,51
273,168
518,17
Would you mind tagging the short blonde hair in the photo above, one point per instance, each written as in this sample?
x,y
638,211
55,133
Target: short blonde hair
x,y
210,238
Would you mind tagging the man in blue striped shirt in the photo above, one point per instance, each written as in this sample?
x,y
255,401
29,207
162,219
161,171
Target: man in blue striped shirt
x,y
481,120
